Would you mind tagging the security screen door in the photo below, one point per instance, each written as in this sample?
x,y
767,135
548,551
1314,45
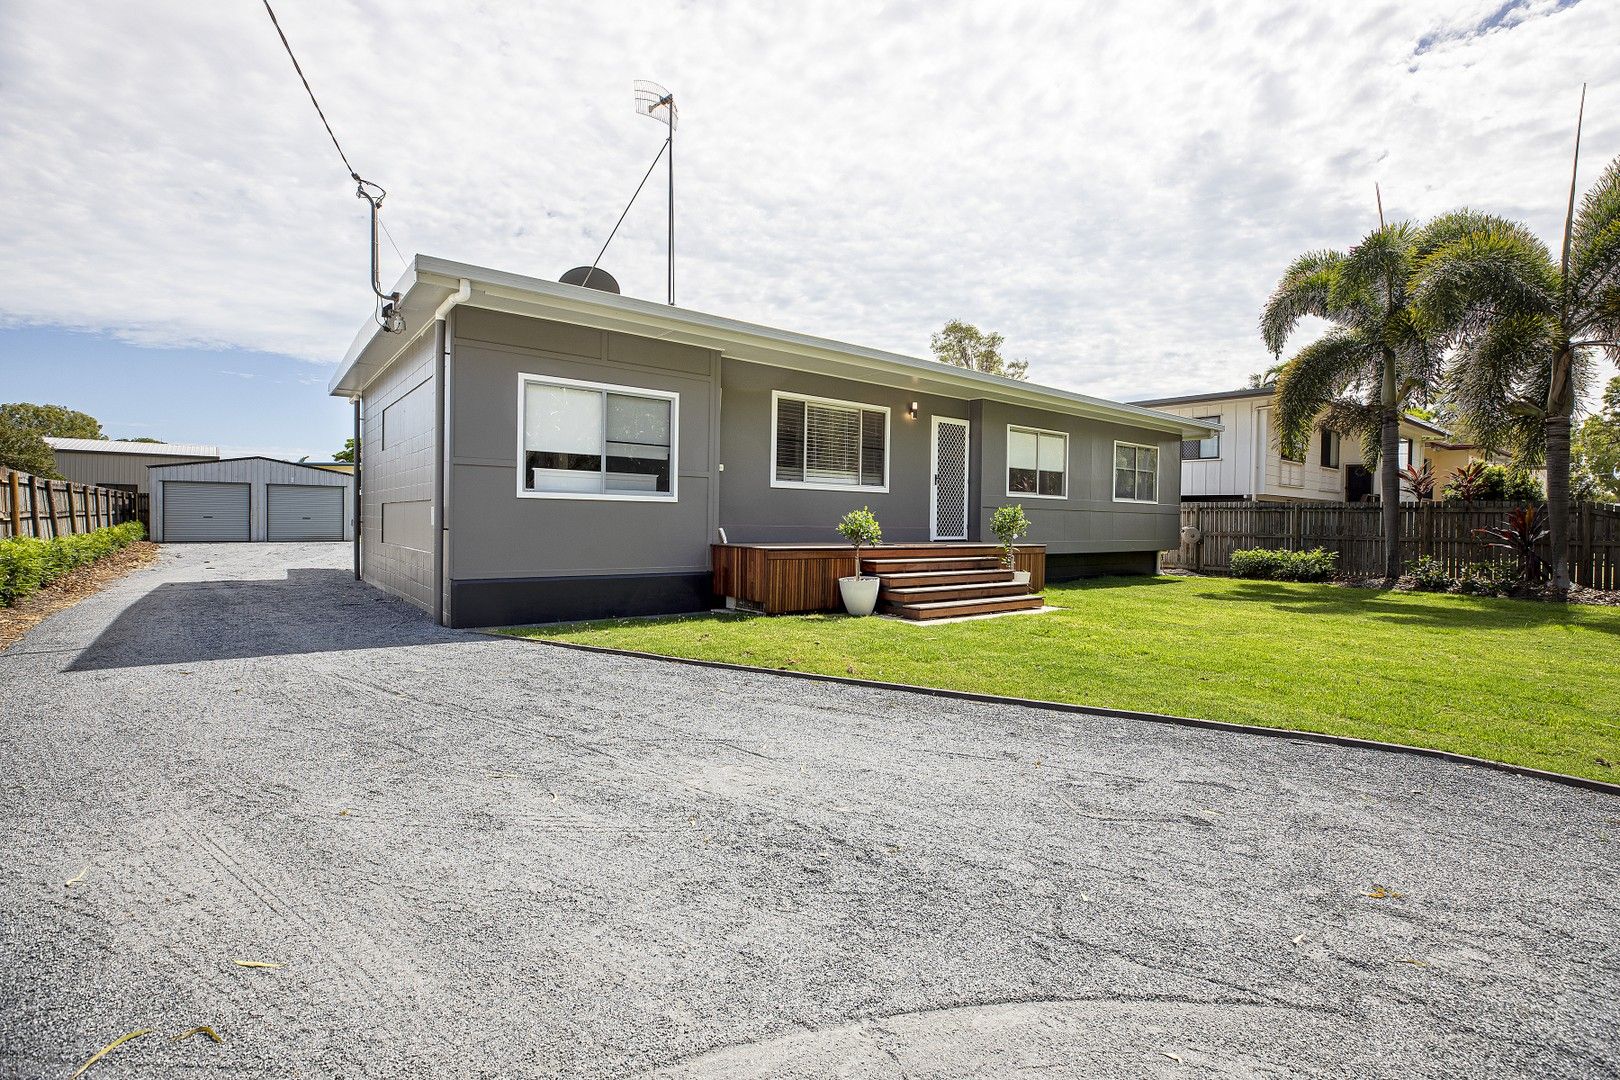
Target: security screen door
x,y
949,504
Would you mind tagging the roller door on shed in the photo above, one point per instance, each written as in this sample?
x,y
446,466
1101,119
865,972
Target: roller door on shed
x,y
305,512
193,510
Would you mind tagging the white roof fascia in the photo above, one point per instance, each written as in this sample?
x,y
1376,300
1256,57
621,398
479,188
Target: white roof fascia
x,y
431,280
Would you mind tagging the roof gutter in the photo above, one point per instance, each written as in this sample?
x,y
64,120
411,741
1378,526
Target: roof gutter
x,y
538,298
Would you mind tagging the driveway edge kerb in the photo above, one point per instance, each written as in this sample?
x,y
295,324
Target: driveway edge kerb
x,y
1566,779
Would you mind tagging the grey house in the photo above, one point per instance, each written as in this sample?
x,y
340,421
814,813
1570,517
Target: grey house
x,y
535,451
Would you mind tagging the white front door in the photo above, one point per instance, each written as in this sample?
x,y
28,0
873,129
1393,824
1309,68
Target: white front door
x,y
948,504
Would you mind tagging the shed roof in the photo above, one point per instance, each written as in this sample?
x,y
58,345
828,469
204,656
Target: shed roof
x,y
120,446
428,282
248,457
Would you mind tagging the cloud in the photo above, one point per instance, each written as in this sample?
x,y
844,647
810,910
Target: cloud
x,y
240,374
1115,188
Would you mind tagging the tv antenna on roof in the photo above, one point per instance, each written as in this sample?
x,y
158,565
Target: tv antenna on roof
x,y
655,101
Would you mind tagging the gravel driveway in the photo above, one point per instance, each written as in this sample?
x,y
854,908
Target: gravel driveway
x,y
481,857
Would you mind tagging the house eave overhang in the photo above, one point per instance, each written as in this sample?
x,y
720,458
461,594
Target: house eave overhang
x,y
430,281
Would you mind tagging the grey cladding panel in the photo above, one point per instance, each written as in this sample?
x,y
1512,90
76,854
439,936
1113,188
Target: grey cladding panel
x,y
408,524
304,512
194,511
408,417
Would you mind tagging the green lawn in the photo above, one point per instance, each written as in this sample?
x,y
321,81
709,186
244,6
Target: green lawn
x,y
1533,684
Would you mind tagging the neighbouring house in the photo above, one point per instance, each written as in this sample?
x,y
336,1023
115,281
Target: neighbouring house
x,y
1245,461
117,464
250,499
331,466
534,451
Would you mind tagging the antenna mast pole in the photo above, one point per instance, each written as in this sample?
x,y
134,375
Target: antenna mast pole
x,y
652,99
671,100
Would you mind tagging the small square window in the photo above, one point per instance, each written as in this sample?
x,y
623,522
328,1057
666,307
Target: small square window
x,y
1136,473
1037,463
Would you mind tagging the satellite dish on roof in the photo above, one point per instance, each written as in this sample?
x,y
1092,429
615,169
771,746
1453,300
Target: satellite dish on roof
x,y
590,277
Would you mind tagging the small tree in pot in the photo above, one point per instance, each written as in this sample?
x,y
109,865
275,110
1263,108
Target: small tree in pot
x,y
1009,523
861,529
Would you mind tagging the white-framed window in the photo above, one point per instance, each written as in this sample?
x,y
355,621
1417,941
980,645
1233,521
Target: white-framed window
x,y
1331,445
1037,463
1408,453
585,440
1205,449
1136,473
828,445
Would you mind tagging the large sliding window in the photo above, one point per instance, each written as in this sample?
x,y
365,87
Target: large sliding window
x,y
821,443
1037,463
1136,473
586,440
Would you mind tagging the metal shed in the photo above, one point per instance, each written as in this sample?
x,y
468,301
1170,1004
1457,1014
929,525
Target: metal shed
x,y
121,464
250,499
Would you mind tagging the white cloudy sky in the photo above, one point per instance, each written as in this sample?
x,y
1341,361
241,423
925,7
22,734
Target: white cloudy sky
x,y
1115,187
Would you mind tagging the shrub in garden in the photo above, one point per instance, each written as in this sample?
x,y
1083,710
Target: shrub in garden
x,y
1479,482
1486,579
1518,534
1429,574
27,564
1282,565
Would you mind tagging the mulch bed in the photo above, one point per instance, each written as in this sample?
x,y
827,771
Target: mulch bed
x,y
1578,594
71,588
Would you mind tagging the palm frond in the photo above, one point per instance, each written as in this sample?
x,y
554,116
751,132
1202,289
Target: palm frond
x,y
1320,373
1379,267
1499,381
1603,323
1595,248
1360,420
1498,270
1303,291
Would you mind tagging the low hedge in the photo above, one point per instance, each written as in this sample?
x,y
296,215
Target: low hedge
x,y
1282,565
27,564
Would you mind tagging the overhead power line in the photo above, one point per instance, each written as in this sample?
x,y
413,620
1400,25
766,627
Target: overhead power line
x,y
387,316
312,99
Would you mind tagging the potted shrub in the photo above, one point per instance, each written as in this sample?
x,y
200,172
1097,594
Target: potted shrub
x,y
1009,523
861,529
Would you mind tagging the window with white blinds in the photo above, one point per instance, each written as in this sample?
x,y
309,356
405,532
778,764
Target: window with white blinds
x,y
819,443
1037,463
596,441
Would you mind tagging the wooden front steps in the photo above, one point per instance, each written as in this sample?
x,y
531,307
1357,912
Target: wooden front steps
x,y
947,585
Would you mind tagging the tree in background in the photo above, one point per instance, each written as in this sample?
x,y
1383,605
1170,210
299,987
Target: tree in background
x,y
1359,376
26,452
24,426
965,345
347,453
144,438
1528,330
56,421
1596,450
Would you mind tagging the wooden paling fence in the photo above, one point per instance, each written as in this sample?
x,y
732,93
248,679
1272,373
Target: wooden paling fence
x,y
34,506
1210,532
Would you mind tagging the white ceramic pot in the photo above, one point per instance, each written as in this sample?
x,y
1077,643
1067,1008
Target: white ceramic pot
x,y
1021,577
859,593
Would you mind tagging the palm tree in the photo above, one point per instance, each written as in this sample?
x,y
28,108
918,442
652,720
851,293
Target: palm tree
x,y
1358,376
1528,329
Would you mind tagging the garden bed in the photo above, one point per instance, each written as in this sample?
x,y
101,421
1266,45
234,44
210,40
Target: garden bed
x,y
65,591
